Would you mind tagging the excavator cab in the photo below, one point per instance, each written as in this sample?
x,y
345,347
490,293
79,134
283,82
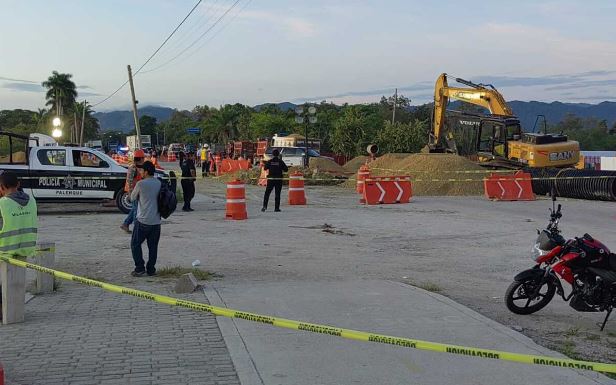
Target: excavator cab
x,y
495,133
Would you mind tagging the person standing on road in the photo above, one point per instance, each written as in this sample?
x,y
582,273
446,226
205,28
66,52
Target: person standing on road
x,y
275,167
147,223
132,177
205,161
189,173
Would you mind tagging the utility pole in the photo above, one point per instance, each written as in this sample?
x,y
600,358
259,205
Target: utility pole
x,y
135,115
393,117
74,130
83,120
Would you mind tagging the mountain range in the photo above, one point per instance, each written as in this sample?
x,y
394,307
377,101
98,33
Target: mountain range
x,y
527,112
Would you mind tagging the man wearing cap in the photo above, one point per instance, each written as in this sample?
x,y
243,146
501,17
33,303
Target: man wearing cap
x,y
132,177
275,167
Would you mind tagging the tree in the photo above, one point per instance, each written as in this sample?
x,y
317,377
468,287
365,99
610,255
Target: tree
x,y
147,125
349,134
61,91
73,122
402,137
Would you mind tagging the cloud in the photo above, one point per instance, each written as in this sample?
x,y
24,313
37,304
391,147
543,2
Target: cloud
x,y
24,87
294,26
19,80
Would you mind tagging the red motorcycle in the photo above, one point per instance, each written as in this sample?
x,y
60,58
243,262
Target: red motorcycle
x,y
586,264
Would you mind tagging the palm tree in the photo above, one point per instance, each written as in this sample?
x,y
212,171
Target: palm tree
x,y
61,91
91,125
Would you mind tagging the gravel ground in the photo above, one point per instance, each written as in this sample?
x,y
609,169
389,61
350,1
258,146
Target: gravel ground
x,y
468,248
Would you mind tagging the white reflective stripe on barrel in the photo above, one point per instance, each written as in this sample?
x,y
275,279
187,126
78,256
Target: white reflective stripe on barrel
x,y
360,181
236,186
296,189
296,177
236,200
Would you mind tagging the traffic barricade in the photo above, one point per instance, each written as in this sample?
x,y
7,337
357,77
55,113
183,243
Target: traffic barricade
x,y
297,194
512,187
236,200
387,190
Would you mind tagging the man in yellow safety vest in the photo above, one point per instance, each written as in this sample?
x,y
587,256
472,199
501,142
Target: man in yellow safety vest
x,y
19,215
19,221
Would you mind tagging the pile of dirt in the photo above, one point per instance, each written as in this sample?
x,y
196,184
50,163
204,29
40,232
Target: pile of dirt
x,y
432,174
324,165
354,164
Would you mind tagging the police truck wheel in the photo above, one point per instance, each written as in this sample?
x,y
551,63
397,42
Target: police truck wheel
x,y
123,201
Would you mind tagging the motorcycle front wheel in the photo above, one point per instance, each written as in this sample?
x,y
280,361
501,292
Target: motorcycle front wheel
x,y
525,297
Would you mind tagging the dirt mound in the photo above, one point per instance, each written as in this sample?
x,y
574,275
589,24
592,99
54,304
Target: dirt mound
x,y
327,166
354,164
432,174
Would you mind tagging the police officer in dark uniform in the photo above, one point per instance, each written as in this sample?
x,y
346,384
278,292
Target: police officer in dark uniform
x,y
275,167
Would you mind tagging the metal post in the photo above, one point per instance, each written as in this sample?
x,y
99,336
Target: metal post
x,y
393,117
135,114
83,120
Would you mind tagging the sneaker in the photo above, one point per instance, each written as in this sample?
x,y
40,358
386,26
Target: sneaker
x,y
125,228
185,210
263,209
277,210
191,209
136,273
151,274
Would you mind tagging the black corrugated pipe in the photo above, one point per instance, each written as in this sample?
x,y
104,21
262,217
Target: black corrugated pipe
x,y
574,183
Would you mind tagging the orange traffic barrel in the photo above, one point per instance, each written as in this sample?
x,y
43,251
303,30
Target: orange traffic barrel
x,y
171,156
362,174
236,200
297,195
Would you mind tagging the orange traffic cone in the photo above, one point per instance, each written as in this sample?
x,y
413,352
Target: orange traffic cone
x,y
362,174
236,200
296,189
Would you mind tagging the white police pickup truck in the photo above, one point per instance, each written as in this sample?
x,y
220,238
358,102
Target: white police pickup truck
x,y
63,173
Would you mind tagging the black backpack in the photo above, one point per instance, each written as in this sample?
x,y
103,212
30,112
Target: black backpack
x,y
167,201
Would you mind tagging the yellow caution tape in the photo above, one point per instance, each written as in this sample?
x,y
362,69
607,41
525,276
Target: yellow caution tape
x,y
325,329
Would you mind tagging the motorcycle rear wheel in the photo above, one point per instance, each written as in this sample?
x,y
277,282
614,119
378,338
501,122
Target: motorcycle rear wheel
x,y
524,292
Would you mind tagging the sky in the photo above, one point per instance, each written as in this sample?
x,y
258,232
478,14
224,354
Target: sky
x,y
257,51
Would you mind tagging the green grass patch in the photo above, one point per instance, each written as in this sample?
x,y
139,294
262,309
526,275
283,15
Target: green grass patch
x,y
568,349
177,271
593,337
572,331
430,286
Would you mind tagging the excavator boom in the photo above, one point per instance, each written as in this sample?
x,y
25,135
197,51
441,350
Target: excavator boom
x,y
478,94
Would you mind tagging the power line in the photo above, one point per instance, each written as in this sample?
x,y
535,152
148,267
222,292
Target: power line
x,y
189,30
197,40
154,54
219,30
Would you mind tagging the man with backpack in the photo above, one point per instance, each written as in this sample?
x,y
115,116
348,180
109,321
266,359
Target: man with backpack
x,y
147,222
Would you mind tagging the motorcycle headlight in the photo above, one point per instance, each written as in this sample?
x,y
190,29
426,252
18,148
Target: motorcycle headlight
x,y
536,252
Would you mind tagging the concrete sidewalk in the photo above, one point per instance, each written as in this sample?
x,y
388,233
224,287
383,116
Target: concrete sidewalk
x,y
266,355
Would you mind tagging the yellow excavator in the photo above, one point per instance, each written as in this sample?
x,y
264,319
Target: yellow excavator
x,y
498,137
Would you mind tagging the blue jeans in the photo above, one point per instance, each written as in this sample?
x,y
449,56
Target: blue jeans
x,y
151,234
132,214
